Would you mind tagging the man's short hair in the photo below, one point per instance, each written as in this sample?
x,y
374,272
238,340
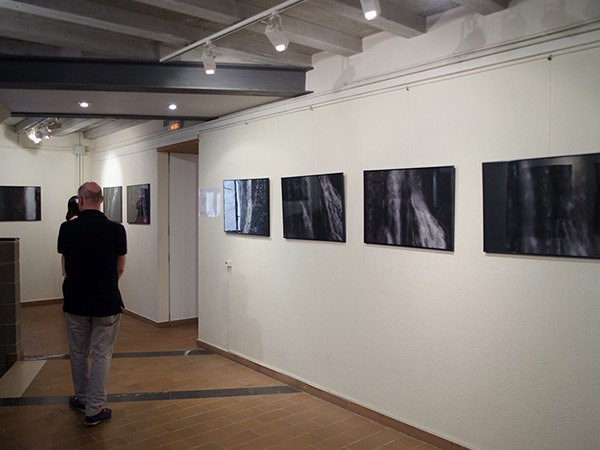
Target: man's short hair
x,y
88,194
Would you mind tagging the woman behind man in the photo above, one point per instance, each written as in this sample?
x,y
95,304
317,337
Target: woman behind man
x,y
72,208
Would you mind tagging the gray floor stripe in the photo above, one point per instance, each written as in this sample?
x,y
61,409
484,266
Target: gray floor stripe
x,y
155,396
124,355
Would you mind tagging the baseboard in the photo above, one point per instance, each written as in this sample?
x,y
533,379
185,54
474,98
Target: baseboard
x,y
409,430
50,301
173,323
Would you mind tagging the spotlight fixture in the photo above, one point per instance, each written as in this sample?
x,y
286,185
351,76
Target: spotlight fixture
x,y
274,32
371,8
172,106
44,130
53,126
84,104
33,135
209,58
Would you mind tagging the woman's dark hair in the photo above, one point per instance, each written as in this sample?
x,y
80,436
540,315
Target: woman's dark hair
x,y
72,207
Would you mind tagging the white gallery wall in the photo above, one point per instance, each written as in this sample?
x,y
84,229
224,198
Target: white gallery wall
x,y
489,351
52,166
138,285
131,158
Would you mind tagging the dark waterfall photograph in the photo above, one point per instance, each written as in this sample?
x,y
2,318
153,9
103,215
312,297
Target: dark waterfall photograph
x,y
410,207
138,204
113,203
543,206
246,206
313,207
20,203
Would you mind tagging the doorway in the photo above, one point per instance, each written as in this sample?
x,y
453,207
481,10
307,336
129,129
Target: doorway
x,y
183,236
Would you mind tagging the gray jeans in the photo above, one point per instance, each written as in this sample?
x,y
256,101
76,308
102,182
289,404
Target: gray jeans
x,y
97,334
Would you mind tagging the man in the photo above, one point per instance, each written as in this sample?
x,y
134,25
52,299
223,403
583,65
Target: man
x,y
93,252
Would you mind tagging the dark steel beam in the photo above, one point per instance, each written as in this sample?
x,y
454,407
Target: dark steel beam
x,y
108,116
150,76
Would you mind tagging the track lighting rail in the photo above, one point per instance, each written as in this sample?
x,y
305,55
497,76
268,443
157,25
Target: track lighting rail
x,y
232,29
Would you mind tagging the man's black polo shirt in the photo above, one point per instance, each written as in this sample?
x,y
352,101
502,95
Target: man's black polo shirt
x,y
90,245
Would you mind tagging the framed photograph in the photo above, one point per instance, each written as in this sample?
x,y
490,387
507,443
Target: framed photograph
x,y
20,203
410,207
543,206
113,203
313,207
246,206
138,204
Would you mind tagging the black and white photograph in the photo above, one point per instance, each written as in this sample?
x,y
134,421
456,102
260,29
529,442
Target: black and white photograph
x,y
543,206
138,204
313,207
113,203
20,203
410,207
246,206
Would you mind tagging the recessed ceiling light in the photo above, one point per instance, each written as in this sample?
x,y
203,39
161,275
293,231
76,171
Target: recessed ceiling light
x,y
172,106
85,104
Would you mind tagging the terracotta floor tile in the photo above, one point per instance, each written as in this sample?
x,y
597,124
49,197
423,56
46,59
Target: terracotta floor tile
x,y
365,430
142,445
144,435
179,445
110,443
303,441
403,443
241,426
174,436
333,417
301,417
271,416
209,446
333,429
212,423
237,439
335,442
375,440
206,437
272,427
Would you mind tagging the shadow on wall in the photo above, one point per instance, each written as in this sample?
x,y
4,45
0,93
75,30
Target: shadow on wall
x,y
555,15
347,73
592,9
472,35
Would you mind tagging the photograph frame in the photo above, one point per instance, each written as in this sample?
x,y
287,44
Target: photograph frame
x,y
20,203
246,206
313,207
410,207
138,204
113,203
544,206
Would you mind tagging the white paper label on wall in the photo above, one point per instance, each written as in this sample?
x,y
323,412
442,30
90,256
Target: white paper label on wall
x,y
209,203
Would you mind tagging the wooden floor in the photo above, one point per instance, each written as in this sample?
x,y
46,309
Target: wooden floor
x,y
165,397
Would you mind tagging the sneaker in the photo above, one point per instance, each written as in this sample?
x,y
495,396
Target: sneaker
x,y
102,416
76,404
